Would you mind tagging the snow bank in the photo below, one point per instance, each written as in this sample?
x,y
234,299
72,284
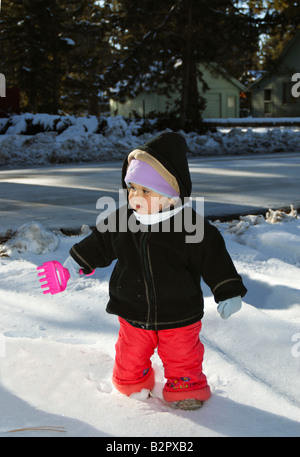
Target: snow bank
x,y
32,237
254,120
40,139
262,233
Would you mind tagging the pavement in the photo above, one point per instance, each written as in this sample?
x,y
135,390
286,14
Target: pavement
x,y
65,196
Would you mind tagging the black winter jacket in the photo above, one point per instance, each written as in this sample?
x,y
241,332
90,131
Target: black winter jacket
x,y
155,283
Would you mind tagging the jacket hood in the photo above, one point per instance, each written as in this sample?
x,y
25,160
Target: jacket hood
x,y
167,154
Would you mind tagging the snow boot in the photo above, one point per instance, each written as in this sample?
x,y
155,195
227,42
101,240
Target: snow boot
x,y
188,404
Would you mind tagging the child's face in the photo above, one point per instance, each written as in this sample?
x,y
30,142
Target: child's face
x,y
146,201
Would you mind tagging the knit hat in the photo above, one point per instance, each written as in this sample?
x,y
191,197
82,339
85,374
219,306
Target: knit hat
x,y
142,173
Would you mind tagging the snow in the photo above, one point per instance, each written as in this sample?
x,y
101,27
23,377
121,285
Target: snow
x,y
65,139
254,120
57,352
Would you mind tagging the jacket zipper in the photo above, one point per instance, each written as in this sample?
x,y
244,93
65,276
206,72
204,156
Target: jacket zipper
x,y
149,281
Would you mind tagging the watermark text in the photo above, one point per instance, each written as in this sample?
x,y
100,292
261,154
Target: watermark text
x,y
2,85
296,346
185,216
296,87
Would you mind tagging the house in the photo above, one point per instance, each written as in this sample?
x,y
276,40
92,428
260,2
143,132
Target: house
x,y
222,97
276,92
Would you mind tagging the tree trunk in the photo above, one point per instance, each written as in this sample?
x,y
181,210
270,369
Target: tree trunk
x,y
190,110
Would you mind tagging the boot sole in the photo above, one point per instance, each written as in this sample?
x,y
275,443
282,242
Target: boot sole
x,y
188,405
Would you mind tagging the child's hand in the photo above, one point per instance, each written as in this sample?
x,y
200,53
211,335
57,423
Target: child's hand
x,y
72,267
229,306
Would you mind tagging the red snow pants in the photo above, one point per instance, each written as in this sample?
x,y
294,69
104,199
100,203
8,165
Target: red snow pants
x,y
181,352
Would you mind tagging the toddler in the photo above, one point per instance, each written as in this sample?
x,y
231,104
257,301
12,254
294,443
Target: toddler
x,y
155,286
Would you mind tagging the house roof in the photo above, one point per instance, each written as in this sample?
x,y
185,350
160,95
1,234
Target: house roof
x,y
226,75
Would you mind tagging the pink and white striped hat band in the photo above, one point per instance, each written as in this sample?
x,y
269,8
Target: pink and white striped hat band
x,y
143,174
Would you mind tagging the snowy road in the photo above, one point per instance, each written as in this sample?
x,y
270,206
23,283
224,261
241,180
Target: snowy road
x,y
66,195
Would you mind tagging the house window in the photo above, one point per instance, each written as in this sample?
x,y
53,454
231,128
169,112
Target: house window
x,y
231,106
231,102
268,101
268,95
287,96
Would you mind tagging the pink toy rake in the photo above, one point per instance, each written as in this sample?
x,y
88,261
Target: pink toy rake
x,y
54,276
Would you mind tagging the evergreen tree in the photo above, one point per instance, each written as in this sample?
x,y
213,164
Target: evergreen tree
x,y
52,51
83,84
278,21
159,46
34,50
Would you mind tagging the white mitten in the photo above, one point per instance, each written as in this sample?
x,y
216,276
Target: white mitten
x,y
73,267
229,306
